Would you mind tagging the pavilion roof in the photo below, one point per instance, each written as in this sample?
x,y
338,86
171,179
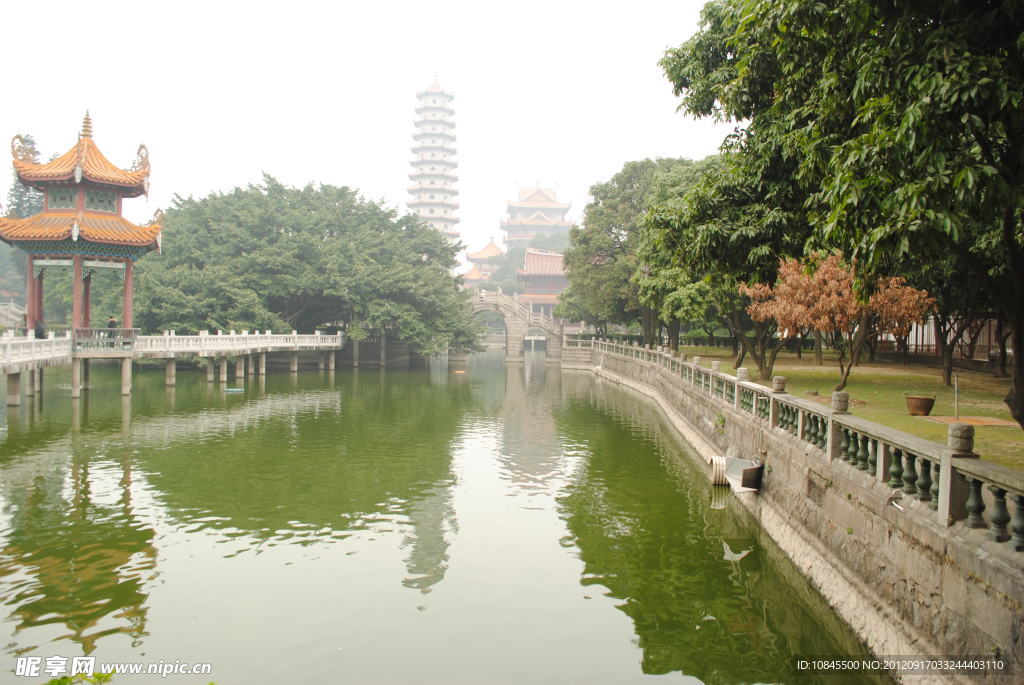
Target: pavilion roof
x,y
475,274
539,197
83,161
541,263
489,250
92,227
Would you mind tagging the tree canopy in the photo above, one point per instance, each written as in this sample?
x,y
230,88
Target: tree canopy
x,y
271,256
897,126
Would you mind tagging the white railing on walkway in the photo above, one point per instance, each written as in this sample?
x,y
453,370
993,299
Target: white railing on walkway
x,y
512,304
238,343
30,350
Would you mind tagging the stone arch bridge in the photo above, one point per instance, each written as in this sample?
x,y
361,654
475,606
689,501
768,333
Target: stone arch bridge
x,y
519,321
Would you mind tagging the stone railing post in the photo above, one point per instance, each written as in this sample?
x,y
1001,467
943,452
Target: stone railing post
x,y
840,406
953,487
742,375
778,388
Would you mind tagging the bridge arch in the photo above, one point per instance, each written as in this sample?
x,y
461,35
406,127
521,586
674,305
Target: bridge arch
x,y
518,322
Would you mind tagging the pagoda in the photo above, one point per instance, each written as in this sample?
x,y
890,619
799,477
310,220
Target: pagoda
x,y
433,166
482,264
80,227
543,280
537,212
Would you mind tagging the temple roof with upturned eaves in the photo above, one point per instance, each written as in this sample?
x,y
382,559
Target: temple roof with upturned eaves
x,y
84,161
539,197
91,228
487,252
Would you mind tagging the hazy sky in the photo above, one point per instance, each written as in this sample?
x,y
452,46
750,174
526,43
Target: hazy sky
x,y
558,92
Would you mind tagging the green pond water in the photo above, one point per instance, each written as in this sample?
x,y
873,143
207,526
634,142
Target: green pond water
x,y
485,524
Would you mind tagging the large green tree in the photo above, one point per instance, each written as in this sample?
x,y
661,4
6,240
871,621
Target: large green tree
x,y
601,259
271,256
22,201
904,123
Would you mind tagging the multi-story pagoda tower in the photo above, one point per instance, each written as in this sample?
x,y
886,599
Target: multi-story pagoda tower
x,y
537,212
433,165
80,227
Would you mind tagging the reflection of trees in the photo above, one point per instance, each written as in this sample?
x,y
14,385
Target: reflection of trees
x,y
382,452
76,562
699,605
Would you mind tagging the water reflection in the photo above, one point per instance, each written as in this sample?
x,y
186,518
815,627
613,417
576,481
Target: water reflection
x,y
707,594
75,554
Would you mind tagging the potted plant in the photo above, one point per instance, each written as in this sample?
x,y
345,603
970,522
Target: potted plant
x,y
919,405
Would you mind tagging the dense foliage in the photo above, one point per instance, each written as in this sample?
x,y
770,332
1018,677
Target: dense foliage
x,y
282,258
892,131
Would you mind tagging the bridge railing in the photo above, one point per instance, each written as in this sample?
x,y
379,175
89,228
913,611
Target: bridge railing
x,y
237,342
121,339
949,480
517,308
16,350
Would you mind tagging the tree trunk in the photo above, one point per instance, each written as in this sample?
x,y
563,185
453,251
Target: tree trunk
x,y
818,357
945,349
1001,337
1015,397
673,336
648,325
800,345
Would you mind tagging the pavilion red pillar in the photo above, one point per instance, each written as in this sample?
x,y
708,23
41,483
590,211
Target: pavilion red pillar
x,y
86,297
129,287
40,314
76,292
30,296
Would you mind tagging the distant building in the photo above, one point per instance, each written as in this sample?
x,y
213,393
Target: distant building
x,y
543,279
433,164
537,212
482,265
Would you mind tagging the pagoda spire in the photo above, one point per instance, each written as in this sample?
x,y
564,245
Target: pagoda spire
x,y
86,126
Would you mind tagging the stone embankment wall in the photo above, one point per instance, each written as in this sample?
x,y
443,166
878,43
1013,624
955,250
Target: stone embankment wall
x,y
918,559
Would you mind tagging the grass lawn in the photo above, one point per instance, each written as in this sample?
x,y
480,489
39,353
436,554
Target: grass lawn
x,y
877,390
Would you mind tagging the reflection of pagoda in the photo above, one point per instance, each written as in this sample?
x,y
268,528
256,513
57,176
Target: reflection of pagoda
x,y
433,167
537,212
483,265
80,227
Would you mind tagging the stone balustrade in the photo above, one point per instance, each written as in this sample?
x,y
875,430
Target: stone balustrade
x,y
949,480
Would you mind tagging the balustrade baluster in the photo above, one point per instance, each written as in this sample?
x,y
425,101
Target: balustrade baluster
x,y
1017,528
873,456
934,501
1000,516
809,426
896,469
975,505
822,433
862,453
910,475
844,443
851,448
924,483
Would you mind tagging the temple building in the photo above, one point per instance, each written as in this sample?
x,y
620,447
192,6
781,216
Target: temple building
x,y
482,265
537,212
433,165
543,279
80,228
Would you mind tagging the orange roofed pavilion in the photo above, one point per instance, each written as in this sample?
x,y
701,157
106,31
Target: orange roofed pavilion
x,y
80,227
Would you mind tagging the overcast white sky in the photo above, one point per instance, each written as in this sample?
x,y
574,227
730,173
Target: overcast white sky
x,y
560,92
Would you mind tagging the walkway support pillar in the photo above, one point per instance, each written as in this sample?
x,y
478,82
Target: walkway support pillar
x,y
355,353
30,383
330,360
383,350
76,378
251,364
13,389
39,380
170,373
263,363
126,376
85,374
209,370
240,368
223,369
294,364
